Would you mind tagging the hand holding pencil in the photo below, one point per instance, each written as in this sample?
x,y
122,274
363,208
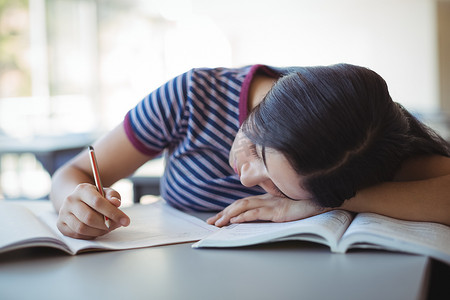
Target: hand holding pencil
x,y
90,210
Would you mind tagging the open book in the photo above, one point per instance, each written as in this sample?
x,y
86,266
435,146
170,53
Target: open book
x,y
151,225
341,231
159,224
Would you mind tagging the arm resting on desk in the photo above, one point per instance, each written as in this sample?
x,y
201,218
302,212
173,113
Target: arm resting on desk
x,y
419,193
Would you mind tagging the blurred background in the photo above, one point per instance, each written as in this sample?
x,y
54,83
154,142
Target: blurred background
x,y
71,69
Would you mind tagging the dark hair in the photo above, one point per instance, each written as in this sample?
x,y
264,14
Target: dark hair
x,y
338,126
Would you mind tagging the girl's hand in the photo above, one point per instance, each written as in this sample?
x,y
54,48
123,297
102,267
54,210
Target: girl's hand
x,y
266,207
82,213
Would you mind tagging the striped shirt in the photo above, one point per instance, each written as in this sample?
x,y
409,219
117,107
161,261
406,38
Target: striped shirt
x,y
195,117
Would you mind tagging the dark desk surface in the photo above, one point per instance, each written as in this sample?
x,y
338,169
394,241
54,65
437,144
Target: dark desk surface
x,y
286,270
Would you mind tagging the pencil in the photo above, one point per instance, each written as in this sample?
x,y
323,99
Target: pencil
x,y
98,182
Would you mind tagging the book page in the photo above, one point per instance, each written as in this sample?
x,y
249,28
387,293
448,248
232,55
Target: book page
x,y
376,231
151,225
326,228
21,228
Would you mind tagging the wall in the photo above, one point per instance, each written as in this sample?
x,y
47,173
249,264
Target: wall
x,y
443,21
397,38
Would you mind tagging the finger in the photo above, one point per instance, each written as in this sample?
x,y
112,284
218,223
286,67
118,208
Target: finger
x,y
105,208
118,217
115,201
257,214
113,196
75,207
74,227
68,232
89,216
237,208
111,193
213,219
245,204
92,218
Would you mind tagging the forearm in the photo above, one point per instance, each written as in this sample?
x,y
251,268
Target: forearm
x,y
423,200
116,157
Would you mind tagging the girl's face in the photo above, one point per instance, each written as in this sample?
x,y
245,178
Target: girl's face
x,y
274,174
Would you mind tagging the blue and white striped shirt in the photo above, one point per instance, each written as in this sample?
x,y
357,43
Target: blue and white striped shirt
x,y
195,117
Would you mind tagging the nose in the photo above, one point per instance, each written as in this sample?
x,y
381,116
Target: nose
x,y
253,173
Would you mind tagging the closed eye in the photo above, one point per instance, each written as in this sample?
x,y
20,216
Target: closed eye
x,y
254,152
279,193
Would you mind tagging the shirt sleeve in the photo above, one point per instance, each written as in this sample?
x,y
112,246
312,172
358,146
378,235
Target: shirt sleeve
x,y
156,122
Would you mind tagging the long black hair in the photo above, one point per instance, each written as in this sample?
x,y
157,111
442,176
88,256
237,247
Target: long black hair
x,y
339,128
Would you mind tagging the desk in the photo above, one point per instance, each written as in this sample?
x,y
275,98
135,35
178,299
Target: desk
x,y
287,270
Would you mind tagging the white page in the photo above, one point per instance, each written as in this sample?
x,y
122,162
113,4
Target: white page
x,y
424,238
19,227
151,225
330,226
